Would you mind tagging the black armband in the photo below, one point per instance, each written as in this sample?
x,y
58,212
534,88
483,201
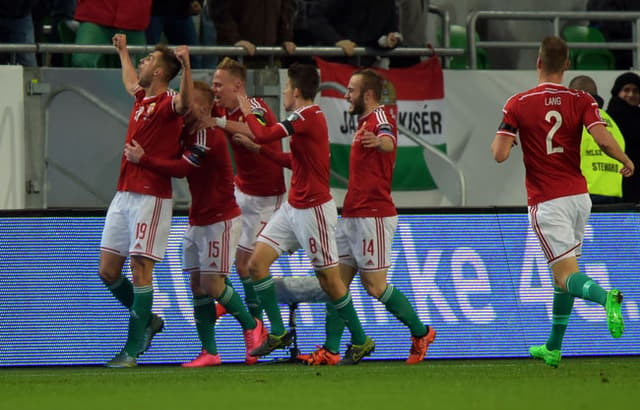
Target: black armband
x,y
506,127
196,154
288,126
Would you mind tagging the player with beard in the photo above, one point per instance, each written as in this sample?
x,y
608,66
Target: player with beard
x,y
369,219
139,216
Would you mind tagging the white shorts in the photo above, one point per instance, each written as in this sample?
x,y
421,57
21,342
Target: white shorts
x,y
365,243
256,212
559,225
313,229
137,224
211,248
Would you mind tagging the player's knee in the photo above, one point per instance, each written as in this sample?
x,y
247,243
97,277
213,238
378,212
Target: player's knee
x,y
375,290
257,268
141,269
108,276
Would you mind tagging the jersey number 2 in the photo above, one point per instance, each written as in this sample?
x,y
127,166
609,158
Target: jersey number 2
x,y
555,125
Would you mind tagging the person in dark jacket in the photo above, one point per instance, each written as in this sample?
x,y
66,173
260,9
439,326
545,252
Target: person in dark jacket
x,y
174,18
251,23
624,108
355,23
16,26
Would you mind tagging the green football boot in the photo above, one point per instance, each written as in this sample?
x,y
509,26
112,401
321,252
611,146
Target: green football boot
x,y
614,313
355,353
272,343
550,357
122,360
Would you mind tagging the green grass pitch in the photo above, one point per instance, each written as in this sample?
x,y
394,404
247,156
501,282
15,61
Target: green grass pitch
x,y
600,383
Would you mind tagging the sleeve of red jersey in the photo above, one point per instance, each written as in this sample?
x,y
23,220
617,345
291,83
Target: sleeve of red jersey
x,y
591,112
180,168
384,128
509,125
265,133
281,158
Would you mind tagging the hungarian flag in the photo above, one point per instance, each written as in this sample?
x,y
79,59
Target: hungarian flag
x,y
416,95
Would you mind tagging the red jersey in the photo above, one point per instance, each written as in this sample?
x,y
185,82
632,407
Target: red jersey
x,y
370,170
309,144
255,174
549,120
207,165
155,125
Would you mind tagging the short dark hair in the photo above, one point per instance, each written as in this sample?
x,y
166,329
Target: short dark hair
x,y
553,54
304,77
205,89
234,68
584,83
168,61
371,80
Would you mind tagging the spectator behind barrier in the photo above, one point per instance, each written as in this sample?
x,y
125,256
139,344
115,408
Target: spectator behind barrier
x,y
101,20
251,23
412,18
16,26
356,23
174,19
625,110
602,172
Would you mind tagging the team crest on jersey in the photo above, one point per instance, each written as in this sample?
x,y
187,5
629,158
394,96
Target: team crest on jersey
x,y
151,109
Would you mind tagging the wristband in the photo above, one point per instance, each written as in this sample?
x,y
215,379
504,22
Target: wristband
x,y
221,121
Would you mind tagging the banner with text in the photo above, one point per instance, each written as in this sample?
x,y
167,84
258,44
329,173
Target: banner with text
x,y
481,280
416,93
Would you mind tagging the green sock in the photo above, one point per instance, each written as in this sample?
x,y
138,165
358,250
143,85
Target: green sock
x,y
232,302
266,291
562,306
398,304
251,298
122,289
334,327
204,313
139,317
347,312
582,286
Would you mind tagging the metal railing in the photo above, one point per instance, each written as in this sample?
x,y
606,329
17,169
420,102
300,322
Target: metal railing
x,y
271,52
554,17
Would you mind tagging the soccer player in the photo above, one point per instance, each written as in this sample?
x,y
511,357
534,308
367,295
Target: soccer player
x,y
548,121
213,232
369,219
139,217
309,216
259,182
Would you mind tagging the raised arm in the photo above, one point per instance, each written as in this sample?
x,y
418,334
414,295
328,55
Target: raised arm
x,y
609,146
129,74
182,102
